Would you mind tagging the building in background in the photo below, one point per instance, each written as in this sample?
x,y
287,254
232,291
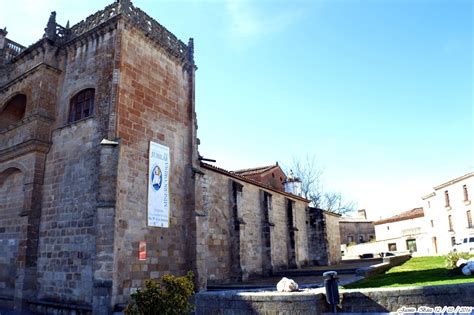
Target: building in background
x,y
404,232
448,212
356,230
271,175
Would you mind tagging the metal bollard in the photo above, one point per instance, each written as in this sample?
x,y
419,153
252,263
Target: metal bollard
x,y
332,290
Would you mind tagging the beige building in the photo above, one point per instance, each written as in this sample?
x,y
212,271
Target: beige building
x,y
404,232
448,214
356,230
433,230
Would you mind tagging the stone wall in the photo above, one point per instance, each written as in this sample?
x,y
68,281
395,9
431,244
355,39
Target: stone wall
x,y
391,299
250,303
332,237
154,104
318,246
11,225
67,233
248,228
356,230
323,237
352,301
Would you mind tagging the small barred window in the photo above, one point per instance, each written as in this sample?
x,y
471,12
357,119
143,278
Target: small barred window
x,y
82,105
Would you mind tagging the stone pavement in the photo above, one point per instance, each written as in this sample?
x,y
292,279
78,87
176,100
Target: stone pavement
x,y
308,277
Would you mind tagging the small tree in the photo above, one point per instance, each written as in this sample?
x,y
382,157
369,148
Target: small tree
x,y
167,296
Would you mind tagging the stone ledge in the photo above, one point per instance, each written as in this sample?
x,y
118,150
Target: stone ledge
x,y
313,301
388,262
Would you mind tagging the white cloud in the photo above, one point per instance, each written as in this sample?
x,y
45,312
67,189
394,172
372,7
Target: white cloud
x,y
248,22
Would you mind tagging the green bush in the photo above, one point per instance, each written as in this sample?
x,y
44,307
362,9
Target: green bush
x,y
453,257
168,295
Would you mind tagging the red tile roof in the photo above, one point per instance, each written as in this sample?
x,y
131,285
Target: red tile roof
x,y
250,181
255,170
410,214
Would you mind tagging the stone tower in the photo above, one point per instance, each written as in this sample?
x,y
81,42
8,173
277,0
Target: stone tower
x,y
78,110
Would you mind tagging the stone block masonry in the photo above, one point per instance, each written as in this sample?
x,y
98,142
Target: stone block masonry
x,y
378,300
249,228
67,230
73,207
87,100
153,105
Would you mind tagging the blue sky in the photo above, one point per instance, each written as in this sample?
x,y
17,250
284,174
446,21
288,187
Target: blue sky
x,y
380,92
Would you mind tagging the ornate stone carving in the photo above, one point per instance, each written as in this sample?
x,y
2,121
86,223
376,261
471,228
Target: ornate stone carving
x,y
152,29
50,30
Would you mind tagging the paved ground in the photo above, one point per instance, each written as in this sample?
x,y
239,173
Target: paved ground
x,y
309,277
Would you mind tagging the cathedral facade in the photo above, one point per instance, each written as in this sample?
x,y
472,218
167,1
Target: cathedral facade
x,y
86,216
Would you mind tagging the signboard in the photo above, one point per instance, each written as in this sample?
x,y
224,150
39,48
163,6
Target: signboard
x,y
142,250
411,231
158,188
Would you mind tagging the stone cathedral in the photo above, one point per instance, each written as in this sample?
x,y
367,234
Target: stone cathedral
x,y
79,112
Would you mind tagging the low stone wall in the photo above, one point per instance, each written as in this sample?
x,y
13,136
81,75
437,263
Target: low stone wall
x,y
314,301
388,262
392,299
246,303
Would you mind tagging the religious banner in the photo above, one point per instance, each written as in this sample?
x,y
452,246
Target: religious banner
x,y
158,188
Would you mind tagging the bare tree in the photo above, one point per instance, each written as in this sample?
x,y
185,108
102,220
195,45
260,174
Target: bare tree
x,y
310,174
333,202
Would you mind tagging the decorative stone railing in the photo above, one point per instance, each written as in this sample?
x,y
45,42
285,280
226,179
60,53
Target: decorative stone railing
x,y
95,20
152,29
155,30
140,19
11,49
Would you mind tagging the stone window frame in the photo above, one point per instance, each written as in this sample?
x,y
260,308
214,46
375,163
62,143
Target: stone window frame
x,y
446,199
82,97
450,223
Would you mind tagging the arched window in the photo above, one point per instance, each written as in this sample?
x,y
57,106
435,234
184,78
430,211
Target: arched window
x,y
13,111
81,105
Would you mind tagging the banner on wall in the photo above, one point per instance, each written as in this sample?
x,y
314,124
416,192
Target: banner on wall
x,y
158,188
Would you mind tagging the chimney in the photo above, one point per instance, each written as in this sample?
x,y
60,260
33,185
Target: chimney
x,y
293,184
361,213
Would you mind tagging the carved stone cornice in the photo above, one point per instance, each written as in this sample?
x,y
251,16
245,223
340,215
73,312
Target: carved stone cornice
x,y
106,20
27,119
27,73
24,148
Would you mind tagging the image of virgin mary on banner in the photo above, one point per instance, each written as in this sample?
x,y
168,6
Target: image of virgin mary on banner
x,y
158,188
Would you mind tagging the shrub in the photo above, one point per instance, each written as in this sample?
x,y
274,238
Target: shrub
x,y
453,257
168,295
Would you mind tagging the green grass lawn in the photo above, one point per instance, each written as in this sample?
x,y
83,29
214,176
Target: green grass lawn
x,y
418,271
